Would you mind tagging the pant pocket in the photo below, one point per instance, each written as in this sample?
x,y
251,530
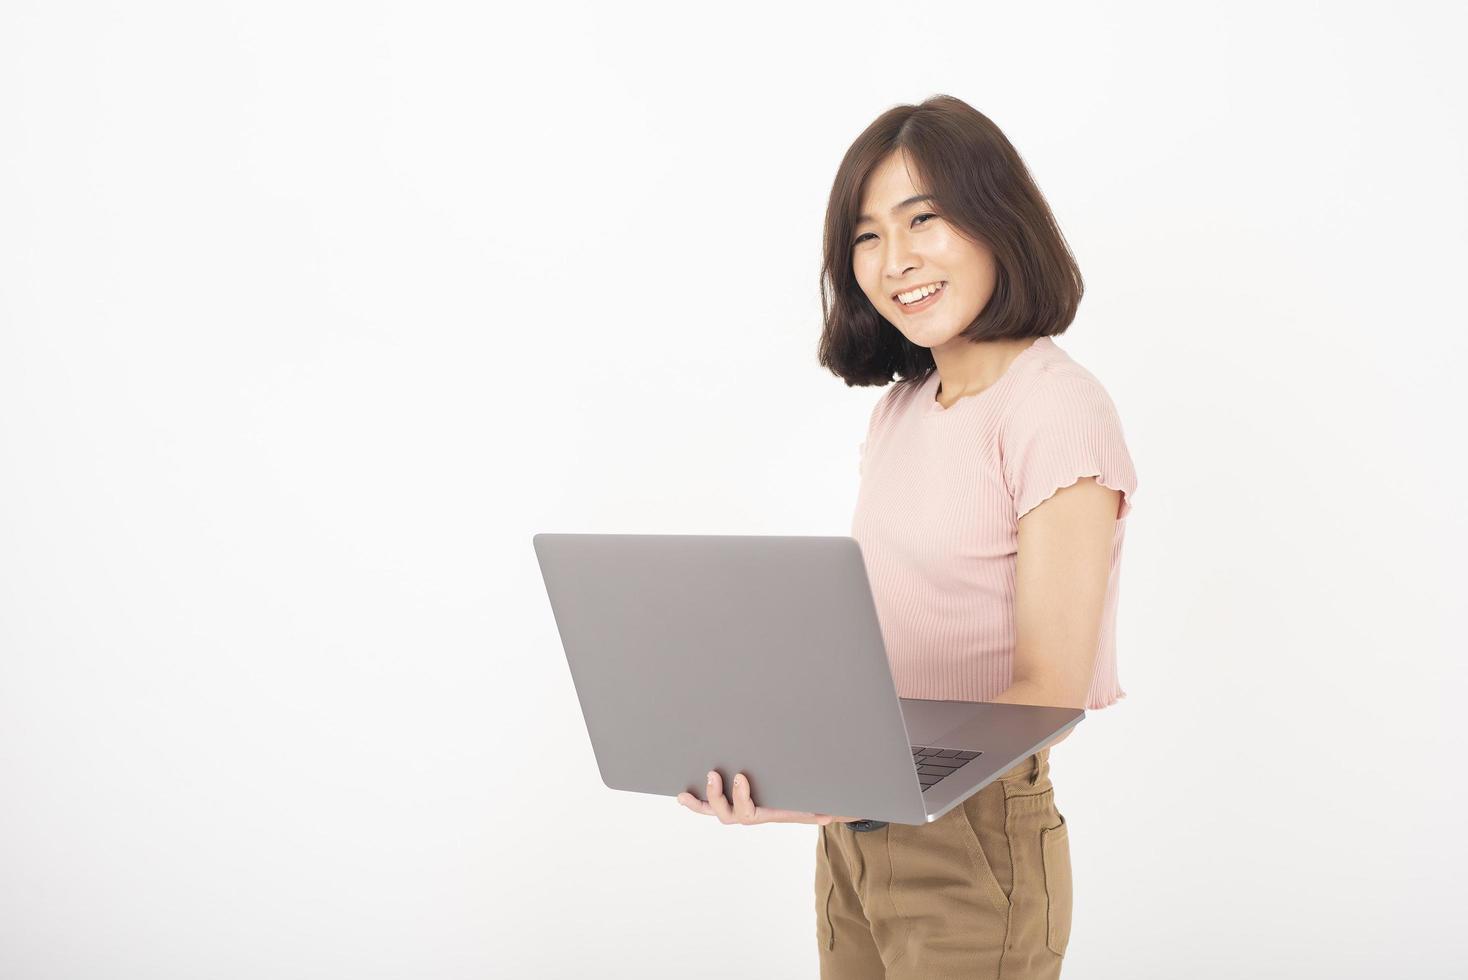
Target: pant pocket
x,y
1055,852
970,813
825,885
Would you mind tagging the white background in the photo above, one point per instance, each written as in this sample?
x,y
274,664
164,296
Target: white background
x,y
312,314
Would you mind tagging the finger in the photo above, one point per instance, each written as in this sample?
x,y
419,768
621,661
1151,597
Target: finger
x,y
828,818
744,809
695,804
720,806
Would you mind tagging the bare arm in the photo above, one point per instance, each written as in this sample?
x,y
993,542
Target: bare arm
x,y
1061,571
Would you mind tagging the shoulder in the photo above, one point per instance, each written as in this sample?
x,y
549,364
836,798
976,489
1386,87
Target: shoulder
x,y
1059,391
898,396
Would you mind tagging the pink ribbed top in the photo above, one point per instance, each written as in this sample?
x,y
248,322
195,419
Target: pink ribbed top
x,y
937,517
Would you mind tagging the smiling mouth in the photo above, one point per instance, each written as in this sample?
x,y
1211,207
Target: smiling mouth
x,y
923,301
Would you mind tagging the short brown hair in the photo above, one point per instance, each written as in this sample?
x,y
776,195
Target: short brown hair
x,y
983,188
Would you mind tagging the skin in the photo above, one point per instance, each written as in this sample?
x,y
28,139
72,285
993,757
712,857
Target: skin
x,y
1064,548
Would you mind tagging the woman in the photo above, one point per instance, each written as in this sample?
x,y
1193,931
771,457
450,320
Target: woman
x,y
995,483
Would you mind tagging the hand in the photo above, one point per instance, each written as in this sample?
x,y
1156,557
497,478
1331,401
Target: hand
x,y
743,810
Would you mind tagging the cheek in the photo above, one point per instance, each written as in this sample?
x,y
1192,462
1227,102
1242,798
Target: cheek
x,y
866,277
954,251
980,264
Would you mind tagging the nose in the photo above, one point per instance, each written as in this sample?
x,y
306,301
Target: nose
x,y
899,262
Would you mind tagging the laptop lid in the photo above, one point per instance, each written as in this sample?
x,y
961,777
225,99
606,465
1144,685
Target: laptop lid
x,y
759,654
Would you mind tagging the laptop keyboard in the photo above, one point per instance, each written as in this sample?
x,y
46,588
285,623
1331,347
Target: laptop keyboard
x,y
933,763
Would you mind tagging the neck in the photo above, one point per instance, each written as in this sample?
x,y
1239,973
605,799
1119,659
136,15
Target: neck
x,y
967,368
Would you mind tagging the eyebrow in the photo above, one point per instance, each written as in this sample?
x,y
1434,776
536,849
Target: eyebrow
x,y
898,206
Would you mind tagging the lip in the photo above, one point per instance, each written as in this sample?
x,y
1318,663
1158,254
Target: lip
x,y
926,303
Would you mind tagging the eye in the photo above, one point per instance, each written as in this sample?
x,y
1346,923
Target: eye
x,y
916,218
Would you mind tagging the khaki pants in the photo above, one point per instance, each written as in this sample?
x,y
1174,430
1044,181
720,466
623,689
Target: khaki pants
x,y
983,891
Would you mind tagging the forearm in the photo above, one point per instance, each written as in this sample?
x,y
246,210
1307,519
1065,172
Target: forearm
x,y
1030,692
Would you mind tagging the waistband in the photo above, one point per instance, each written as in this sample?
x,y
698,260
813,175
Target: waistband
x,y
1030,769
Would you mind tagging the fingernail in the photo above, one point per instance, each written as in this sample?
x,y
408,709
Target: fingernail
x,y
711,775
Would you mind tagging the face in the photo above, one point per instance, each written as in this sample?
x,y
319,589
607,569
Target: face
x,y
896,251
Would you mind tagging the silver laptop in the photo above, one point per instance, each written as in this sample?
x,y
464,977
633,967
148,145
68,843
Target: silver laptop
x,y
762,654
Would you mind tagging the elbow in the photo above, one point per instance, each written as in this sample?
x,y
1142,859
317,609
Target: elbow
x,y
1054,691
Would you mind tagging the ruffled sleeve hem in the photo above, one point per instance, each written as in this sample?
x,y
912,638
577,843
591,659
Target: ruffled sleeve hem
x,y
1108,481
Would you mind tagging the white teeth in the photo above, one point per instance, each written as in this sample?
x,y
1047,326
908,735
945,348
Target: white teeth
x,y
907,299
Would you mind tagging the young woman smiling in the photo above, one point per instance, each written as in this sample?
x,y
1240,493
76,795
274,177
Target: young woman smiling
x,y
995,486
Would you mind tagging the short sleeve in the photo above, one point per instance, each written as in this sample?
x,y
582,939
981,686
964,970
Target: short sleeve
x,y
1064,429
